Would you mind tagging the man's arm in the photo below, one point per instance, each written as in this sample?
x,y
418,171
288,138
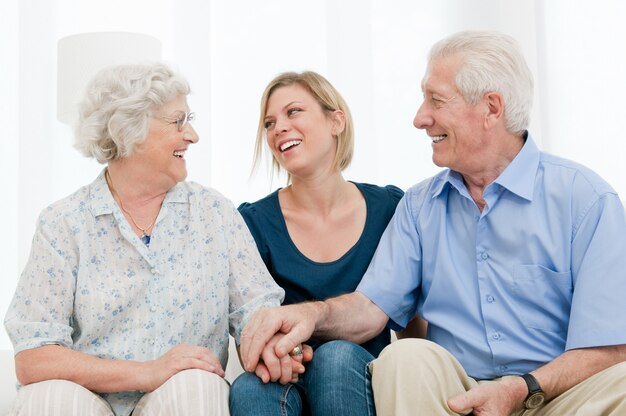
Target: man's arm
x,y
102,375
559,375
351,317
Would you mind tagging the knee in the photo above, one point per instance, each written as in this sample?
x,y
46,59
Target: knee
x,y
339,356
189,392
58,388
244,386
62,396
249,395
617,375
36,389
199,380
197,374
412,353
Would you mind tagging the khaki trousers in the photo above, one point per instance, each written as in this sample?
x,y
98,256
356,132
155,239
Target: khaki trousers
x,y
188,393
416,377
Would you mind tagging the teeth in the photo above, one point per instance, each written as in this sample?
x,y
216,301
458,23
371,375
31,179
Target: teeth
x,y
289,144
437,139
179,153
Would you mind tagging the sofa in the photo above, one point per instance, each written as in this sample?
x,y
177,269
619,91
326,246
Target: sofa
x,y
7,380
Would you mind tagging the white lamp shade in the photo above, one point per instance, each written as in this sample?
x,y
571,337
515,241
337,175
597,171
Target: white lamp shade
x,y
81,56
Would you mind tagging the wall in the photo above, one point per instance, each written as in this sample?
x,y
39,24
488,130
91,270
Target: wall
x,y
373,51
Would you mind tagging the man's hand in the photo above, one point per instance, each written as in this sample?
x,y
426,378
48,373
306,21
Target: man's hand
x,y
498,398
296,322
181,357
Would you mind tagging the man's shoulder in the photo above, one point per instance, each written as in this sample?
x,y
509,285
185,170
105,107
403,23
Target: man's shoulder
x,y
557,168
429,187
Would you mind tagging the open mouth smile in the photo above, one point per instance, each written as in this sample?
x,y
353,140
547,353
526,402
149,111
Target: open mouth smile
x,y
289,144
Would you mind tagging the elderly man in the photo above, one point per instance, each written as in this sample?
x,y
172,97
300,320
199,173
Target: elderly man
x,y
516,258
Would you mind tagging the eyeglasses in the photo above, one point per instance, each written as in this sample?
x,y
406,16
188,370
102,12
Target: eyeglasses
x,y
180,121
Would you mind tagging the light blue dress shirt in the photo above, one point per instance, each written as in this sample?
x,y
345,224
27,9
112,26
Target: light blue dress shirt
x,y
541,270
90,284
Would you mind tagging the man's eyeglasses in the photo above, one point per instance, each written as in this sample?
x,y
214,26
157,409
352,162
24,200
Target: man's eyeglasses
x,y
180,121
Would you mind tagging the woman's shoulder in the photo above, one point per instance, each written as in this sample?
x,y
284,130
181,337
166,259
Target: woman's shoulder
x,y
376,192
75,204
190,190
267,204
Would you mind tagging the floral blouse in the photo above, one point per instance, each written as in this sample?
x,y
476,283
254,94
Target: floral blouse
x,y
92,285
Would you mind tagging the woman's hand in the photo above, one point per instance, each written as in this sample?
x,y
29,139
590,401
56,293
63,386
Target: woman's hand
x,y
181,357
285,369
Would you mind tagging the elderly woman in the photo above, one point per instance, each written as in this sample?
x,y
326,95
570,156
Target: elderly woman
x,y
135,281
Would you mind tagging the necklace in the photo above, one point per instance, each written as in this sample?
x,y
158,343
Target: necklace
x,y
145,237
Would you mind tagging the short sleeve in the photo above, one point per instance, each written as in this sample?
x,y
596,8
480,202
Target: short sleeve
x,y
394,273
42,306
250,284
599,275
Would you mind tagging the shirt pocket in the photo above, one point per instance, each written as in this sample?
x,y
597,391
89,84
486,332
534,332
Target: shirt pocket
x,y
542,297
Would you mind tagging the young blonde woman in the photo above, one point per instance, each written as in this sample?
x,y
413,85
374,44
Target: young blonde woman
x,y
316,237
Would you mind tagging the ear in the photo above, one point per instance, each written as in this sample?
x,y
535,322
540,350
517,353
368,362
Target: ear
x,y
338,119
495,109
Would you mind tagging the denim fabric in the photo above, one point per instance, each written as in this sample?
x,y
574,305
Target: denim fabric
x,y
336,382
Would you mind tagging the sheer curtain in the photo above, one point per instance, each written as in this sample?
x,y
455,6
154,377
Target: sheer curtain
x,y
373,51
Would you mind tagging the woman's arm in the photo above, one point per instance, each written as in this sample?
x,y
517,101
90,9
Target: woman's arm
x,y
108,376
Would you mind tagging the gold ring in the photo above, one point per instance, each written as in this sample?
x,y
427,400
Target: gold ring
x,y
296,351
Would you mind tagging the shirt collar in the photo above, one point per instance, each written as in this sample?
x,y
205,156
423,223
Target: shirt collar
x,y
447,177
100,196
102,201
517,177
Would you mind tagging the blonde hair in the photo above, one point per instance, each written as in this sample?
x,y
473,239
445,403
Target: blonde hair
x,y
329,100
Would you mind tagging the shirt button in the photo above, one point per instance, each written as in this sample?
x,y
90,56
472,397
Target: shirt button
x,y
154,271
490,299
153,308
484,256
503,368
152,342
496,335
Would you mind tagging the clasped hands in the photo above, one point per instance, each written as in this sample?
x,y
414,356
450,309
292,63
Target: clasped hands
x,y
270,336
282,369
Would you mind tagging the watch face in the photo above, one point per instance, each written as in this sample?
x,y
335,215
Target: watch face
x,y
534,400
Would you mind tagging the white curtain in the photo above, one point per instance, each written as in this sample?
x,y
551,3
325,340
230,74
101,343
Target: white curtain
x,y
373,51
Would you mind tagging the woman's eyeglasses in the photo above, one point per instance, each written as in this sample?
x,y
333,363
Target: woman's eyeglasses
x,y
180,121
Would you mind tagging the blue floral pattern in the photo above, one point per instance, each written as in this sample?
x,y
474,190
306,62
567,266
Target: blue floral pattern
x,y
90,284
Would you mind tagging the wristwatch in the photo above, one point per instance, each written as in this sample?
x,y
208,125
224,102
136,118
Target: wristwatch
x,y
536,396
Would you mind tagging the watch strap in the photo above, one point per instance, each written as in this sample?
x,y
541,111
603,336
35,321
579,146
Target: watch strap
x,y
532,383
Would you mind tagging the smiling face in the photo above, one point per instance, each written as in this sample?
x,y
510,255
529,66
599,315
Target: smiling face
x,y
455,127
163,152
300,134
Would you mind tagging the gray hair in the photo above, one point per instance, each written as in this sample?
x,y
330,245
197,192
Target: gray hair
x,y
114,115
491,61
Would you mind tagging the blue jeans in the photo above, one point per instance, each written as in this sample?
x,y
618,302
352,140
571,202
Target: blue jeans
x,y
336,382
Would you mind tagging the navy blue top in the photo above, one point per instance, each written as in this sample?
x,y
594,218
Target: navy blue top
x,y
304,279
